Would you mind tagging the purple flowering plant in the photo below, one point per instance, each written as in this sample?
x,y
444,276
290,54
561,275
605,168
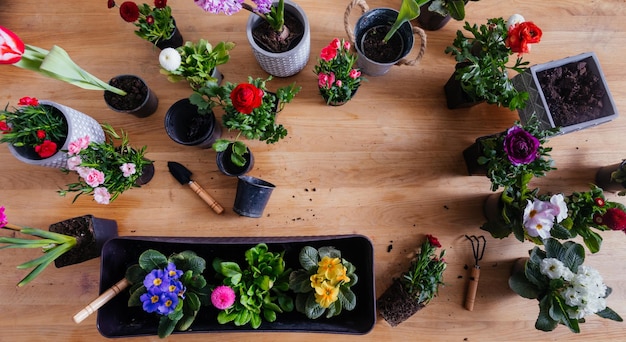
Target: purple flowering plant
x,y
274,15
170,287
516,154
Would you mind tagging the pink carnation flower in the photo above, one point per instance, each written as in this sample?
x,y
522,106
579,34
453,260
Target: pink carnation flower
x,y
73,162
78,145
94,178
101,195
223,297
128,169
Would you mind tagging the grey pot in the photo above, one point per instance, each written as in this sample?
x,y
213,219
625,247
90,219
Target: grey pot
x,y
287,63
537,103
78,126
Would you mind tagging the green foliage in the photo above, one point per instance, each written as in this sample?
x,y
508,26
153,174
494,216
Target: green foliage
x,y
25,121
260,287
197,294
341,276
425,274
619,176
197,62
53,245
483,59
108,157
276,17
258,125
453,8
161,29
409,10
238,148
533,284
501,171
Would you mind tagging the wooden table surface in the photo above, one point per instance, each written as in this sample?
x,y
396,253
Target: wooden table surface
x,y
386,165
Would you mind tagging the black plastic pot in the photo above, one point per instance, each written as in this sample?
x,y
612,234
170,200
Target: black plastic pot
x,y
471,154
431,21
456,97
186,126
252,196
174,41
227,167
146,100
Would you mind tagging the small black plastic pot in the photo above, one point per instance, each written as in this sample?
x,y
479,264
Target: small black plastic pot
x,y
227,167
144,101
252,196
186,126
174,41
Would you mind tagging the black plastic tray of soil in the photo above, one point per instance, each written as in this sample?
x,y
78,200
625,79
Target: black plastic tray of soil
x,y
116,319
570,93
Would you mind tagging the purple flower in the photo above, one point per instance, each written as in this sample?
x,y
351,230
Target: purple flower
x,y
167,303
264,6
3,218
227,7
520,146
151,300
172,272
156,279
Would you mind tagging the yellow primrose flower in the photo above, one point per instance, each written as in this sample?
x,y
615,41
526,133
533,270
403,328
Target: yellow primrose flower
x,y
329,266
339,275
317,280
326,294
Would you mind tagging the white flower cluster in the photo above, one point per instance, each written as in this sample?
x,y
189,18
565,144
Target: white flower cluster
x,y
584,290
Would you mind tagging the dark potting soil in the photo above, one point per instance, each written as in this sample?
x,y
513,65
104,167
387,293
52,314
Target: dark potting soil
x,y
574,93
268,39
136,90
396,305
197,127
85,249
376,49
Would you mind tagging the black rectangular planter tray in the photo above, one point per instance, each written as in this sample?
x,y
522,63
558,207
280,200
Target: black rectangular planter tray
x,y
116,319
528,81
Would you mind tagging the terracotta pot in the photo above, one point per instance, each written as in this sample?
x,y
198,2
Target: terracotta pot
x,y
91,234
78,126
396,305
282,64
375,20
146,100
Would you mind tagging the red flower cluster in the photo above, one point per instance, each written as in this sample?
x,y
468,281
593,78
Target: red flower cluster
x,y
129,11
246,97
433,241
614,218
521,35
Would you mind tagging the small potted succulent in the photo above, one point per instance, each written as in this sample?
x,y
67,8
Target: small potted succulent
x,y
66,243
154,24
195,62
278,32
338,78
173,288
260,287
106,169
481,72
323,284
417,286
435,14
249,108
613,178
567,290
37,131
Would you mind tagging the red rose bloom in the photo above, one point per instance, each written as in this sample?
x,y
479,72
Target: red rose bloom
x,y
433,241
129,11
110,3
4,127
615,219
41,134
28,101
246,97
160,3
46,149
328,53
522,34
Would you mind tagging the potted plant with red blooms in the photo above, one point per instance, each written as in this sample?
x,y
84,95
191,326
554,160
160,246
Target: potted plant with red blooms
x,y
249,108
481,72
106,169
416,287
37,131
173,288
278,32
337,75
66,243
55,63
154,24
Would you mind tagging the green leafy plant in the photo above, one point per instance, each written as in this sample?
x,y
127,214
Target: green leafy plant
x,y
425,274
172,287
260,287
153,24
238,149
453,8
194,62
409,10
105,169
53,245
567,290
249,108
323,285
37,126
337,75
484,57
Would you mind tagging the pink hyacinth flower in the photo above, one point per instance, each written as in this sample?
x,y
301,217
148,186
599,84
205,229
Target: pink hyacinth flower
x,y
101,195
223,297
